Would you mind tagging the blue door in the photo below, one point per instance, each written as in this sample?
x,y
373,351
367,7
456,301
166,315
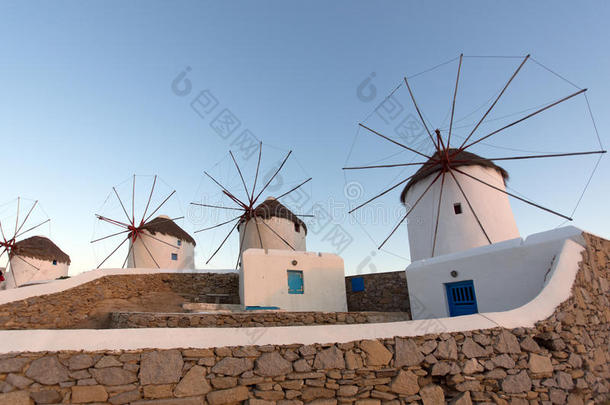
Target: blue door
x,y
461,298
295,282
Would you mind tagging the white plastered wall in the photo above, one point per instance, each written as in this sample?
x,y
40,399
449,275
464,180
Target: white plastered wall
x,y
505,275
264,280
458,232
162,252
282,226
22,273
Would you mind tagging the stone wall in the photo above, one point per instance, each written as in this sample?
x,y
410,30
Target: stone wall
x,y
562,360
90,304
385,292
122,320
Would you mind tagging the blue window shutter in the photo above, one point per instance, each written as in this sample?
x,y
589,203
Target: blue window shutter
x,y
174,256
357,284
295,282
461,298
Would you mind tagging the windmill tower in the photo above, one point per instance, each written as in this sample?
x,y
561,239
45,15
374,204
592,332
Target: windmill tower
x,y
173,248
157,243
459,219
279,228
269,225
32,259
36,259
457,200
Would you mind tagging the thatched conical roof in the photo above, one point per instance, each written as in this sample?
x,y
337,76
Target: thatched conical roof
x,y
273,208
165,226
462,158
42,248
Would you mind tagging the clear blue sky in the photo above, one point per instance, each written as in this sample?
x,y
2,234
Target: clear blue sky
x,y
87,101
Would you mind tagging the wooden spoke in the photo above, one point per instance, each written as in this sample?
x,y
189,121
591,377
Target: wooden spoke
x,y
457,80
111,253
133,202
17,218
150,254
514,196
127,257
159,240
549,156
423,121
393,141
409,211
152,189
219,225
292,189
2,231
32,228
381,194
241,243
112,221
524,118
258,164
160,205
223,242
240,175
272,177
109,236
494,103
122,206
26,217
217,206
383,166
470,206
227,192
235,199
260,238
438,211
26,262
278,235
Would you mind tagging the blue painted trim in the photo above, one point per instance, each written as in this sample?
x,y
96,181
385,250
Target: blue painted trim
x,y
461,298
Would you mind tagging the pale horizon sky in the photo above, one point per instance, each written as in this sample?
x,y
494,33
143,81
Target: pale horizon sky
x,y
92,94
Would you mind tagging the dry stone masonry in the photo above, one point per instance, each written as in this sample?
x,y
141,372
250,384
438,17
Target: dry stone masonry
x,y
383,292
562,360
121,320
76,307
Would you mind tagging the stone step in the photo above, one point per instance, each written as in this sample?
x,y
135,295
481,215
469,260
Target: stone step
x,y
207,307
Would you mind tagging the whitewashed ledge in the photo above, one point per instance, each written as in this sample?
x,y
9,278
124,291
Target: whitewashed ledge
x,y
55,286
557,290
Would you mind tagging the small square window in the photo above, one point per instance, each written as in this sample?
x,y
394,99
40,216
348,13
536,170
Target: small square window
x,y
174,256
295,282
357,284
457,208
179,242
54,262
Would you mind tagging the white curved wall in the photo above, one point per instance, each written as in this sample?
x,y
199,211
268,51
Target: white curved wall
x,y
458,232
162,252
21,272
505,275
282,226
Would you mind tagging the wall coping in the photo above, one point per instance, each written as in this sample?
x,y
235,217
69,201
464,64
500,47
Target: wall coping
x,y
557,290
554,235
